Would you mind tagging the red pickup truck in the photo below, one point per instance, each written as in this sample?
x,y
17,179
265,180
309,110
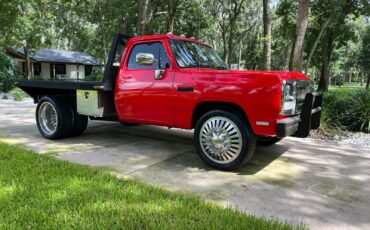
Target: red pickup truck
x,y
178,82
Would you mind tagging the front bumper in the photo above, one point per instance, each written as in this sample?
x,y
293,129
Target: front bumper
x,y
300,126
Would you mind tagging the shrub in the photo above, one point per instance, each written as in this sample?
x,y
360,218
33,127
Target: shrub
x,y
8,72
38,78
18,94
348,111
96,75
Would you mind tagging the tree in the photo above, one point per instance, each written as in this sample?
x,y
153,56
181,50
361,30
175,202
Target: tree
x,y
8,72
8,19
142,17
303,9
338,32
29,28
267,27
227,14
314,47
284,33
365,54
171,11
235,19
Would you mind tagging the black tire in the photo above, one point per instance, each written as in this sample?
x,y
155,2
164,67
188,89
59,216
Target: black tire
x,y
268,141
246,148
79,123
64,117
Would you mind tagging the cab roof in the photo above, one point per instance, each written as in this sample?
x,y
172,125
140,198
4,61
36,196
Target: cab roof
x,y
167,36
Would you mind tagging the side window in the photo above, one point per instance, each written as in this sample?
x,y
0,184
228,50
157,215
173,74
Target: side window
x,y
164,61
161,59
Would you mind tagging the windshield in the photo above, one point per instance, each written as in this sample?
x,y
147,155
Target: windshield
x,y
191,54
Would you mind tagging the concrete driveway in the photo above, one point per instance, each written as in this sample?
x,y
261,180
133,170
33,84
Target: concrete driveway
x,y
323,185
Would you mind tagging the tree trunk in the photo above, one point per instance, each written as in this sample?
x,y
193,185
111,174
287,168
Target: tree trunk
x,y
240,54
230,48
368,81
313,49
171,10
302,24
142,17
226,51
288,55
267,27
124,24
28,74
325,67
362,77
103,40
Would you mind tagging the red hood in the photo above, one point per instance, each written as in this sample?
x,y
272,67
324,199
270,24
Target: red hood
x,y
283,75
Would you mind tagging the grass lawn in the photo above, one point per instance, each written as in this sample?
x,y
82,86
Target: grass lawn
x,y
41,192
344,90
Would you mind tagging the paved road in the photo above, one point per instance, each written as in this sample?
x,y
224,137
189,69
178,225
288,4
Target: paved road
x,y
325,186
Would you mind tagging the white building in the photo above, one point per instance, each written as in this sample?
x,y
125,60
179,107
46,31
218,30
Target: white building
x,y
59,64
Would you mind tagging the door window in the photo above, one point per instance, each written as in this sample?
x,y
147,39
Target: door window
x,y
161,60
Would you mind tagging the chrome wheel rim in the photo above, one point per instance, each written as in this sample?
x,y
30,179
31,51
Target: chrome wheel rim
x,y
48,118
221,140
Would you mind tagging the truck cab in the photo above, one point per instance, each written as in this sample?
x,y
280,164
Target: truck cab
x,y
179,82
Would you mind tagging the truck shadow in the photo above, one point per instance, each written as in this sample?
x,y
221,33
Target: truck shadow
x,y
262,158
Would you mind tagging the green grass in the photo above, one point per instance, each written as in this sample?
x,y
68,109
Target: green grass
x,y
18,94
41,192
345,90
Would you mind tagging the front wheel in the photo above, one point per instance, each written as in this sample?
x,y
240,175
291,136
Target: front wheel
x,y
224,140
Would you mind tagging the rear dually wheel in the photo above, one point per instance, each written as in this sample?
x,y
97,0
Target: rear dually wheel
x,y
54,117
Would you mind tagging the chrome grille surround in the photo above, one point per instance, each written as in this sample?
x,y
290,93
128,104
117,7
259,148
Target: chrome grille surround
x,y
297,89
303,88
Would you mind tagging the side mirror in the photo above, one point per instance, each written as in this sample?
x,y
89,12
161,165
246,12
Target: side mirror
x,y
145,59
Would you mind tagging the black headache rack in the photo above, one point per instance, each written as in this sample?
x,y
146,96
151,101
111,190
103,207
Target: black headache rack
x,y
300,126
38,88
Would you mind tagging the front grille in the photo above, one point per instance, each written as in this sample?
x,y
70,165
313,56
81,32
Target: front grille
x,y
303,88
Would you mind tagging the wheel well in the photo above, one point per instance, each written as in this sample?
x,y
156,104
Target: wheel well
x,y
205,107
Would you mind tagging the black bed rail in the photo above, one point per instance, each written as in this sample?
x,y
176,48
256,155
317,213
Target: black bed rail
x,y
110,72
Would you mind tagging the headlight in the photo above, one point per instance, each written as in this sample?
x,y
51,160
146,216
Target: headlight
x,y
289,98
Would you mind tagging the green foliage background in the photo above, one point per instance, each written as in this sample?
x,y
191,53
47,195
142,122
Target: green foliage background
x,y
349,111
8,72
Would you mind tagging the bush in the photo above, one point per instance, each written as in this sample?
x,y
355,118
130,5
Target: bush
x,y
8,72
348,111
18,94
96,75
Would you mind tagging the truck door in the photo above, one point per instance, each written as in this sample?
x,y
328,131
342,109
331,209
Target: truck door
x,y
145,86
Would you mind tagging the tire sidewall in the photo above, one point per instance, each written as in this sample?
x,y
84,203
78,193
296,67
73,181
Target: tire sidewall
x,y
80,123
248,140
